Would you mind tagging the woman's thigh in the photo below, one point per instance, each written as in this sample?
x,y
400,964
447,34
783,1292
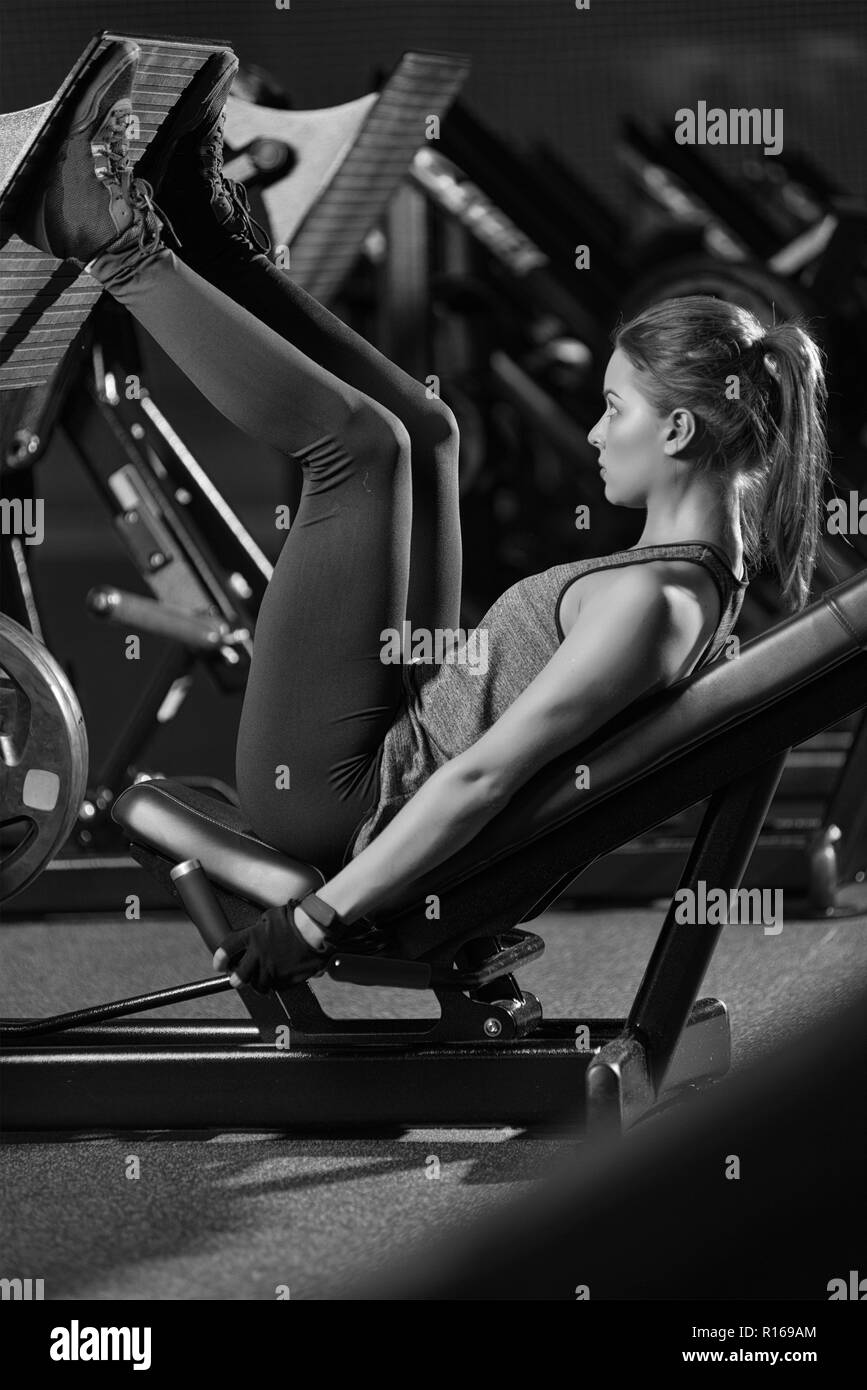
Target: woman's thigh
x,y
435,569
320,699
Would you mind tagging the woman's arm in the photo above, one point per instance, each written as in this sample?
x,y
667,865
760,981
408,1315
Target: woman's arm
x,y
624,642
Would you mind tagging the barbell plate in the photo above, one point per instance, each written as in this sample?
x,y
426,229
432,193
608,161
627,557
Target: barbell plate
x,y
43,756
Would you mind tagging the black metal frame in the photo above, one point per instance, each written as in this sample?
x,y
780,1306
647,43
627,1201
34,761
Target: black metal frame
x,y
191,1075
489,1059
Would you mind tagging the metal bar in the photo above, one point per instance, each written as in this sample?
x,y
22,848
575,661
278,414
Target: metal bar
x,y
404,315
155,999
141,725
549,417
192,1085
847,807
16,586
740,214
107,455
219,524
722,850
266,1088
620,1087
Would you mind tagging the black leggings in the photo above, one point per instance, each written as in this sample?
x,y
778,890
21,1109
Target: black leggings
x,y
375,540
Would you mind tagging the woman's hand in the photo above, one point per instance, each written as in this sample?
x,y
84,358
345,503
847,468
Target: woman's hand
x,y
282,947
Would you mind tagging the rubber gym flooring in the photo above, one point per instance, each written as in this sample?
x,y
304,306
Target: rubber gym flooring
x,y
234,1216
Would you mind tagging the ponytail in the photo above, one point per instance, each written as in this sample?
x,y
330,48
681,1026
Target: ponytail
x,y
768,432
787,512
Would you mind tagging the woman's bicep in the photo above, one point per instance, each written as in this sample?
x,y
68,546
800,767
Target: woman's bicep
x,y
618,649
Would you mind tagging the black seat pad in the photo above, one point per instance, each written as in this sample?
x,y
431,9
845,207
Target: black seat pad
x,y
180,823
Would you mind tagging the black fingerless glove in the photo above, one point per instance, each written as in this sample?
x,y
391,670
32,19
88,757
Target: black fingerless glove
x,y
274,952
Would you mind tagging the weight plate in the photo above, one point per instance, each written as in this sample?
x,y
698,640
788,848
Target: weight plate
x,y
43,757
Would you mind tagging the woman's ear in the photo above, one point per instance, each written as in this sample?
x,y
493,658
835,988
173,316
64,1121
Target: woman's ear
x,y
680,429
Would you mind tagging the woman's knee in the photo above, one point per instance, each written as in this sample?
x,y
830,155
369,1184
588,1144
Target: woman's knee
x,y
435,426
374,435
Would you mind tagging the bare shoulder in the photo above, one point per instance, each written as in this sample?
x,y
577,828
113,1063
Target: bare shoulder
x,y
672,605
672,579
641,585
694,606
692,593
686,575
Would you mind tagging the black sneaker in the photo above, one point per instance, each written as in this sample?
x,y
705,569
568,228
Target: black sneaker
x,y
208,212
88,197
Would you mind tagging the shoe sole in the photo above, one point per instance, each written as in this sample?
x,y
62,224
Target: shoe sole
x,y
111,75
57,128
109,72
179,125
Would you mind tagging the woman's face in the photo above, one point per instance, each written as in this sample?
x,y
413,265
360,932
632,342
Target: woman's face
x,y
630,437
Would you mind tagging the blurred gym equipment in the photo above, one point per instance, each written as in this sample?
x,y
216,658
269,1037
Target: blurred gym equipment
x,y
43,757
525,336
325,177
782,245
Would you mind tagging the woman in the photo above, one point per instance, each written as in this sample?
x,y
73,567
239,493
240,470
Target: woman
x,y
375,771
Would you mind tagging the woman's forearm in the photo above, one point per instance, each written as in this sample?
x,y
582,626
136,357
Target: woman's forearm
x,y
446,813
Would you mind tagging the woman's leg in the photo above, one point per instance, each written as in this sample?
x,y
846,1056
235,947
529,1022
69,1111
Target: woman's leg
x,y
319,699
434,599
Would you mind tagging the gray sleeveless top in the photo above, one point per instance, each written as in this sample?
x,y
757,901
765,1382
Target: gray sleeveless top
x,y
448,705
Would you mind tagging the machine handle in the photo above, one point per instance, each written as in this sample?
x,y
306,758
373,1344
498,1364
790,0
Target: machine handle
x,y
195,630
198,897
200,900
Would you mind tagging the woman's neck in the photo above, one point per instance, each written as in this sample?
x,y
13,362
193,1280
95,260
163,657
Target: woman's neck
x,y
701,516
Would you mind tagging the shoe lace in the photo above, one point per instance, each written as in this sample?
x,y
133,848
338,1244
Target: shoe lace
x,y
153,220
116,166
212,163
